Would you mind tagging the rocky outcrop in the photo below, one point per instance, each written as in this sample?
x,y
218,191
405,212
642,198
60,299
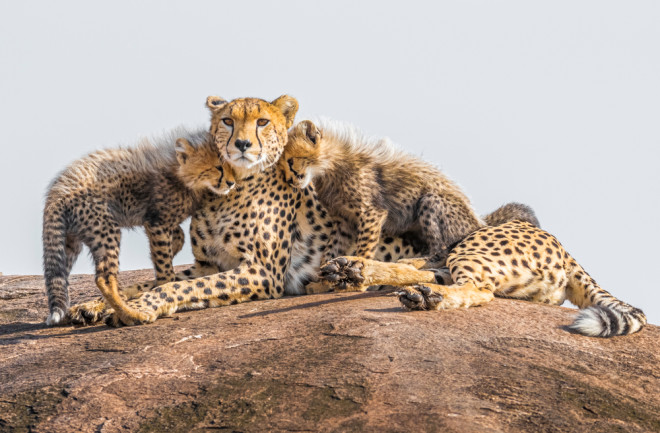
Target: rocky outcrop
x,y
331,362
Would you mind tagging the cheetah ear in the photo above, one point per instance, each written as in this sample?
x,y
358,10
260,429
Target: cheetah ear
x,y
214,103
183,150
288,105
311,131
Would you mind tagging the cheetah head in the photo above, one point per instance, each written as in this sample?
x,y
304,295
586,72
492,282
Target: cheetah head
x,y
251,133
301,160
202,168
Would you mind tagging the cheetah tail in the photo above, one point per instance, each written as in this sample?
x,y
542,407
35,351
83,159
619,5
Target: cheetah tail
x,y
56,271
109,287
510,212
601,314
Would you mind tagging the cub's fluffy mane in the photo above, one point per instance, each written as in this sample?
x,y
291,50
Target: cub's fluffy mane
x,y
354,140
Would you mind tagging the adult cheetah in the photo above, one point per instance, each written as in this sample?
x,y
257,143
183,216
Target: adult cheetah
x,y
265,236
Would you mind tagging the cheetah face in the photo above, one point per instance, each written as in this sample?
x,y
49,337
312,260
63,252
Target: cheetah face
x,y
251,133
202,168
301,159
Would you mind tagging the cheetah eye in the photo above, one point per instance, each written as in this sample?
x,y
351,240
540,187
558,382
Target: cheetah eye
x,y
219,168
227,121
263,122
290,162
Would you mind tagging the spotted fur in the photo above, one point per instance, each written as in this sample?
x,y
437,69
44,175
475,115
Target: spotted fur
x,y
514,260
262,240
92,199
375,188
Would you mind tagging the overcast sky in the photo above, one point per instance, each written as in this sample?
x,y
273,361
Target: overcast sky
x,y
554,104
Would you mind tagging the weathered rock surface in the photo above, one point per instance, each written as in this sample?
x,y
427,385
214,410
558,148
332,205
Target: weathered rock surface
x,y
332,362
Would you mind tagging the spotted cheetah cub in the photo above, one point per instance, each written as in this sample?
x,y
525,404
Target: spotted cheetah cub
x,y
514,260
92,199
374,187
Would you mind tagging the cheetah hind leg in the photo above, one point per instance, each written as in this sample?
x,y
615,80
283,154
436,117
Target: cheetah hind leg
x,y
357,274
439,297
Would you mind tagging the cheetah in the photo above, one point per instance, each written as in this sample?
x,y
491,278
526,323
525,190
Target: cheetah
x,y
514,260
262,240
375,188
93,198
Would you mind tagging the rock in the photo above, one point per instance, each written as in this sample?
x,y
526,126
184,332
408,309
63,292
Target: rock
x,y
330,362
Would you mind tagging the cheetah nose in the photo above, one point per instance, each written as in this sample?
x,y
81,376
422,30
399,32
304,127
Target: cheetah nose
x,y
242,144
230,183
301,176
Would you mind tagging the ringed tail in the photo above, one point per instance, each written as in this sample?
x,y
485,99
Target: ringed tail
x,y
601,314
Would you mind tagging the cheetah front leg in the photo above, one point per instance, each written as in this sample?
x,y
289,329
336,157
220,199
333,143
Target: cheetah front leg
x,y
248,282
97,310
162,251
198,269
440,297
358,273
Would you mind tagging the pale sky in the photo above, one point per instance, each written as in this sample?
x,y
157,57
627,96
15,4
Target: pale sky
x,y
554,104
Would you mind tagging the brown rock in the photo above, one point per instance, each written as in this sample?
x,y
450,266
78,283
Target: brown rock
x,y
332,362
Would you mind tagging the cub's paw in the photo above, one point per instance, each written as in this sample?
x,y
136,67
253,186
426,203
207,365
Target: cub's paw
x,y
420,297
88,312
136,313
344,273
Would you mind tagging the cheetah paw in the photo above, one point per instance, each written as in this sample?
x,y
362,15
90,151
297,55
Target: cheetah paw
x,y
88,312
420,297
344,274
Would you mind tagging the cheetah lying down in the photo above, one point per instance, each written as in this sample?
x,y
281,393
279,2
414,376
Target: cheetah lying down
x,y
514,260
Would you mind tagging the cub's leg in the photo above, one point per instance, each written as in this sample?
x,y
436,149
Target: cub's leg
x,y
72,249
358,273
248,282
439,297
444,220
339,242
162,251
370,225
178,239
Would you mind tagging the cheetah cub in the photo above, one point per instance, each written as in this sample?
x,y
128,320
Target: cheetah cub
x,y
514,260
373,187
92,199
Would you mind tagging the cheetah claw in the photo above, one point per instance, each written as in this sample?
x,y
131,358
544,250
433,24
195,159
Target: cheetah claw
x,y
344,274
419,297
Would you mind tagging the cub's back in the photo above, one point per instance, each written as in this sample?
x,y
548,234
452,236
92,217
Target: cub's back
x,y
125,177
385,174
